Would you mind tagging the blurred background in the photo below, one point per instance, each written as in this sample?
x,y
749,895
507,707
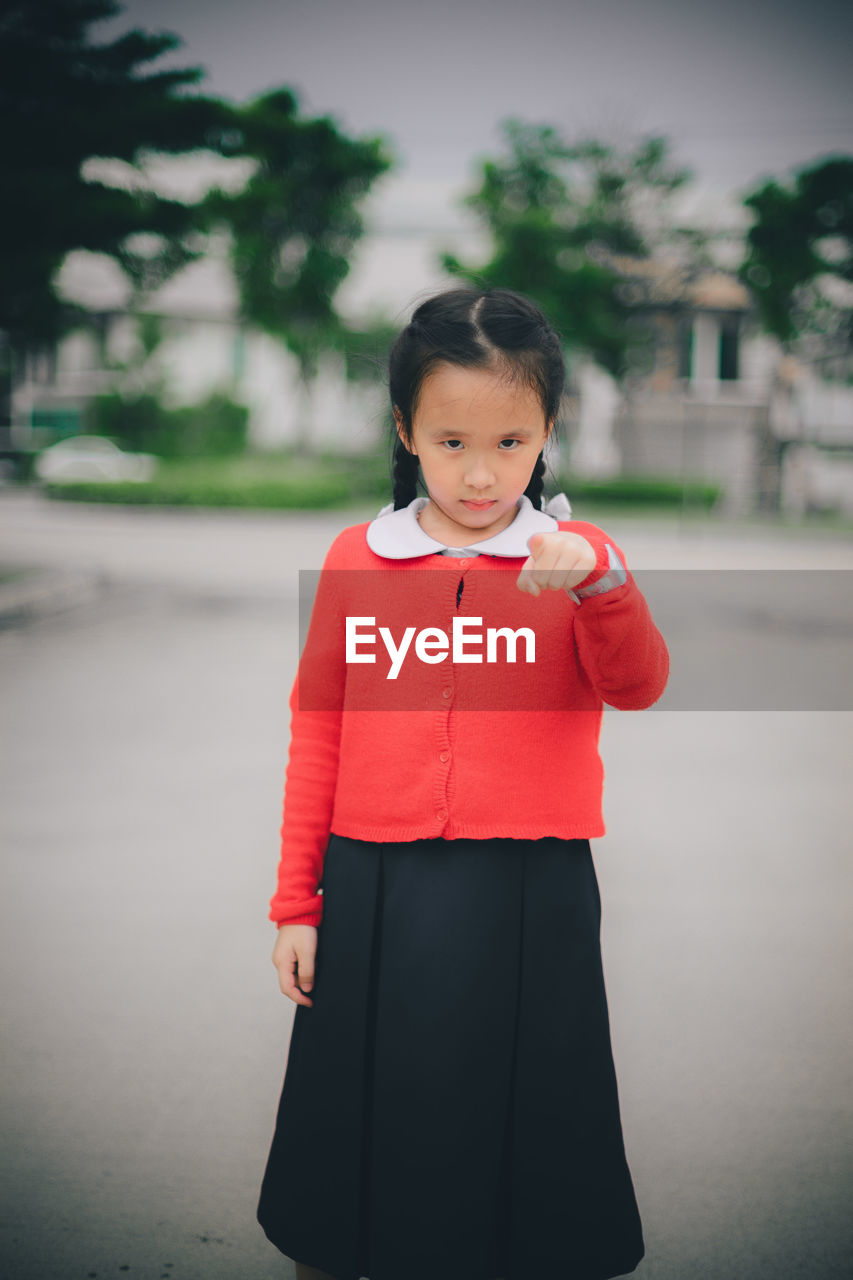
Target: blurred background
x,y
209,239
215,219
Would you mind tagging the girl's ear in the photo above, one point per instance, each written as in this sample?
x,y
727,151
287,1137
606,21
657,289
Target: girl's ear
x,y
398,423
549,427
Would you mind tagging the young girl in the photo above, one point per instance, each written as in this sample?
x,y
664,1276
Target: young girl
x,y
450,1104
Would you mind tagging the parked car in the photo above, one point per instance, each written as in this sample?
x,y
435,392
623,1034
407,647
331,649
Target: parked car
x,y
92,458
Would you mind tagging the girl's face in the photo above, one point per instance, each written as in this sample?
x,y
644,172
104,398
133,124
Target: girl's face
x,y
477,436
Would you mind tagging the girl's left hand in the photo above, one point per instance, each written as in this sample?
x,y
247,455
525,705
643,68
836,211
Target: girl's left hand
x,y
557,561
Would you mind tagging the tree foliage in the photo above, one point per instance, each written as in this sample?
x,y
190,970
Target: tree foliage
x,y
67,99
64,100
562,215
296,222
799,258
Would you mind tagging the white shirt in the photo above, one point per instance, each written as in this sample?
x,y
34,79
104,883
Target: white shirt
x,y
397,535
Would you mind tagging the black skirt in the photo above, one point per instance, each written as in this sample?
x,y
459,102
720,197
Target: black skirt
x,y
450,1104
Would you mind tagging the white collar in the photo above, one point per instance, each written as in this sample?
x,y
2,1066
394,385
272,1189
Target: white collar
x,y
397,535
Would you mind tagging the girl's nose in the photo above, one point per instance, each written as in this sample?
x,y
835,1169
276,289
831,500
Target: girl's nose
x,y
479,474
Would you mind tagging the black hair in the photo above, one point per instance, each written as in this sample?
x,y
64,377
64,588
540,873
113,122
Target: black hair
x,y
474,329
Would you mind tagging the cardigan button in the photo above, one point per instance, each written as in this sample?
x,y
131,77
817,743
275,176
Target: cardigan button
x,y
447,693
444,757
442,815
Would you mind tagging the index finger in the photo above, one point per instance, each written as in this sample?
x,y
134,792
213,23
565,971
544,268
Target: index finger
x,y
525,581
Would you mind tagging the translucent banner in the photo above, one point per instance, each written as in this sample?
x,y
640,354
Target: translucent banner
x,y
448,638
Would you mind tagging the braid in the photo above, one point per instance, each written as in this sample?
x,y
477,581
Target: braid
x,y
404,475
536,482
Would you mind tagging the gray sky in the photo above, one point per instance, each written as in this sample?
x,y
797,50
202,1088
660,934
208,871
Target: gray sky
x,y
743,88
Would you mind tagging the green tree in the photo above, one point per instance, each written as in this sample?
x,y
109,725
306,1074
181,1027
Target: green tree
x,y
561,217
798,265
65,99
799,255
295,223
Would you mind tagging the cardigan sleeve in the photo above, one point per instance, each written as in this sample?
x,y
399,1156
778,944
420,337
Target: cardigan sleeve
x,y
312,768
620,648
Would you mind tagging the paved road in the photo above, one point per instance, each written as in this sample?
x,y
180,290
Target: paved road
x,y
144,735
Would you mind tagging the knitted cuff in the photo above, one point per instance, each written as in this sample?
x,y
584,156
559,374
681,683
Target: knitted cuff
x,y
609,573
313,917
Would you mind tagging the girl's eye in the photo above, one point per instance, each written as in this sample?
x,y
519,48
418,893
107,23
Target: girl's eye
x,y
456,446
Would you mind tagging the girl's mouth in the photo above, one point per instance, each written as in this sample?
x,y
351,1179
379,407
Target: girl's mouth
x,y
478,506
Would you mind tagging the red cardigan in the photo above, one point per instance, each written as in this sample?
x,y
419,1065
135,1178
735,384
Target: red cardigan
x,y
456,749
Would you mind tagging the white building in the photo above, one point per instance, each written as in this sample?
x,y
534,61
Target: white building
x,y
203,348
714,402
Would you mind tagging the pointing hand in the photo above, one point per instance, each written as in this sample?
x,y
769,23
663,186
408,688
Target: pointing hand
x,y
557,561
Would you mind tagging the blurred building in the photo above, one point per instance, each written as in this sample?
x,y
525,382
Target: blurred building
x,y
202,347
696,406
709,397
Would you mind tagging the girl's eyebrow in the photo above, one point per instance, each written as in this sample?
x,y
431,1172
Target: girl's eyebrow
x,y
512,432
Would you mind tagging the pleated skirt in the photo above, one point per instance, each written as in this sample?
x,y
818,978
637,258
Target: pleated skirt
x,y
450,1107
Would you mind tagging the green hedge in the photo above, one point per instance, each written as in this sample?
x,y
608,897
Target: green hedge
x,y
208,491
216,428
285,480
642,491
